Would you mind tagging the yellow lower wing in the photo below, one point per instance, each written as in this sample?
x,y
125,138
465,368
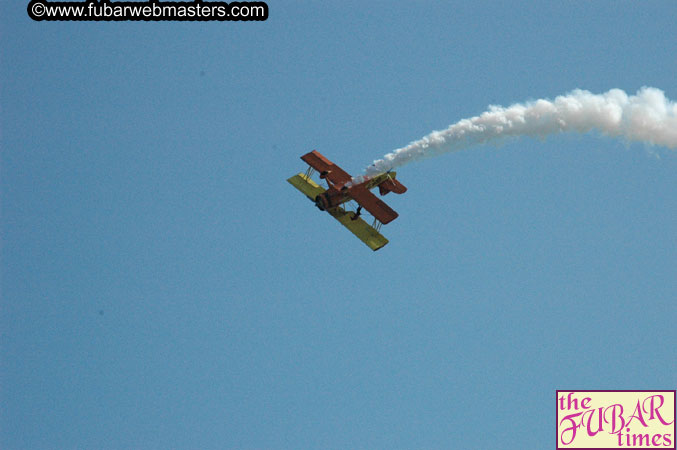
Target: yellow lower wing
x,y
306,185
365,232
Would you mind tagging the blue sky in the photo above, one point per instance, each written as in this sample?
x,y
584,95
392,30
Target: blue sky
x,y
164,287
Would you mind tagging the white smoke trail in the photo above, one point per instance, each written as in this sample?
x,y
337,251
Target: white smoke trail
x,y
647,117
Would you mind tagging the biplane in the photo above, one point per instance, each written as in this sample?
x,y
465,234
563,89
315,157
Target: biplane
x,y
341,189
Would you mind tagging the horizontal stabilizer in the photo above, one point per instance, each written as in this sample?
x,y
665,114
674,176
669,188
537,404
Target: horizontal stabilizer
x,y
391,185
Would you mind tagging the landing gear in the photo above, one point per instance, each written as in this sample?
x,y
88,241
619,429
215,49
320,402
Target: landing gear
x,y
319,202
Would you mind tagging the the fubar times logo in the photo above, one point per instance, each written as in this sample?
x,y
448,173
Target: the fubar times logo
x,y
616,419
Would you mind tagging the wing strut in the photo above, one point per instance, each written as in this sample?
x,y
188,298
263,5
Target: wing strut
x,y
309,172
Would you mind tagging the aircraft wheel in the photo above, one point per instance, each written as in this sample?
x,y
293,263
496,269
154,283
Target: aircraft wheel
x,y
319,203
